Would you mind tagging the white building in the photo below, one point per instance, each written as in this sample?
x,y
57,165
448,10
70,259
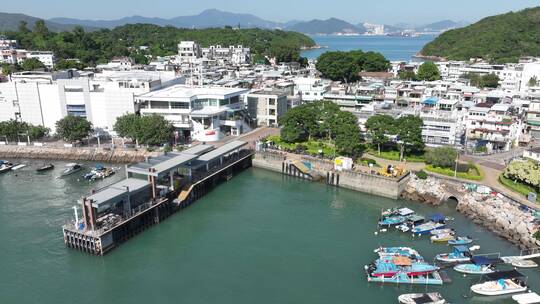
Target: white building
x,y
311,89
199,113
267,106
45,98
46,57
118,64
533,154
188,52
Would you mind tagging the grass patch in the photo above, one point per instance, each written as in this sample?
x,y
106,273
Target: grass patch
x,y
365,161
518,187
394,155
474,172
311,147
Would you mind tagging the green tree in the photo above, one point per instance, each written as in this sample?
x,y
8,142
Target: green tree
x,y
345,66
428,71
490,81
348,140
40,28
533,81
32,64
37,132
64,64
8,69
73,128
128,126
23,27
380,127
444,157
409,131
407,75
154,130
12,129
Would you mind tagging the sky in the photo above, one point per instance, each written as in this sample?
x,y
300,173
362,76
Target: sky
x,y
355,11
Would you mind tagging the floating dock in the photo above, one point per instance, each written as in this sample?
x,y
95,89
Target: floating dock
x,y
152,191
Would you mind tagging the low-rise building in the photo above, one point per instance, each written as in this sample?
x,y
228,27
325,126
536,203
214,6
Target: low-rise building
x,y
267,106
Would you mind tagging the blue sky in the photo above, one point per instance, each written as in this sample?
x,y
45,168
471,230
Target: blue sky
x,y
376,11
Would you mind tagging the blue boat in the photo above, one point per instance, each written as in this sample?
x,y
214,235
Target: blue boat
x,y
460,254
393,217
426,228
390,266
392,220
433,278
461,240
479,265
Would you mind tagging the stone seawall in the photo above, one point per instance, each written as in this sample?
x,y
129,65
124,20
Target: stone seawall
x,y
353,180
75,154
500,214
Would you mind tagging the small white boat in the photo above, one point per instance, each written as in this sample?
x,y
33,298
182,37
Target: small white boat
x,y
17,167
527,298
70,169
441,238
501,283
479,265
442,231
524,264
403,227
425,298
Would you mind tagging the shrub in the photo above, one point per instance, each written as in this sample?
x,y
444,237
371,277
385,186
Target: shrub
x,y
421,174
536,235
463,167
443,157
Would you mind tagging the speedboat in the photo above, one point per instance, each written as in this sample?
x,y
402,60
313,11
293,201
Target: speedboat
x,y
17,167
424,298
45,168
442,231
461,240
442,238
501,283
426,228
460,254
70,169
5,166
479,265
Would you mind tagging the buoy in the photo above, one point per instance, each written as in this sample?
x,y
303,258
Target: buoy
x,y
376,233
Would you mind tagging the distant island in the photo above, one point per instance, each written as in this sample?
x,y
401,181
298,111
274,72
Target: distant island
x,y
499,39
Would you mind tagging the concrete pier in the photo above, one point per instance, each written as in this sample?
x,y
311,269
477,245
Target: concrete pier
x,y
114,214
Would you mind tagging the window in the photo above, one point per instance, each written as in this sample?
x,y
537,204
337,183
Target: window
x,y
160,104
179,105
272,101
76,110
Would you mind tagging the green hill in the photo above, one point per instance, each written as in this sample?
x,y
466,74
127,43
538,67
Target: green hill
x,y
10,22
502,38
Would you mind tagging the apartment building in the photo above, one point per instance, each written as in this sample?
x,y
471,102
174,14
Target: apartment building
x,y
267,106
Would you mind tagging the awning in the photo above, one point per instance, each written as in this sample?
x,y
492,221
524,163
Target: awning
x,y
510,274
461,248
481,260
437,217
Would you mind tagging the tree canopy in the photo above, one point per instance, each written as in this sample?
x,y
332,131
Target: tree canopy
x,y
323,120
428,71
525,171
73,128
443,157
345,66
32,64
405,131
101,46
148,130
502,38
483,81
13,129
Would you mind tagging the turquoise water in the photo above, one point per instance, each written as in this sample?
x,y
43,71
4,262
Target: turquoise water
x,y
393,48
260,238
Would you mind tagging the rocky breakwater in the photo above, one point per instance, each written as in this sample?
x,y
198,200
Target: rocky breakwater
x,y
502,216
430,191
76,154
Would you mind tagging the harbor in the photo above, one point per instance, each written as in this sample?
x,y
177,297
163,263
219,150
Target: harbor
x,y
293,242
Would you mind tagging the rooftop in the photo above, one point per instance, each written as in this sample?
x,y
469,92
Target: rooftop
x,y
192,92
156,166
116,190
226,148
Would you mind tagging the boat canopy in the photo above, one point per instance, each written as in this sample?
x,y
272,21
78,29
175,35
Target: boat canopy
x,y
416,218
481,260
405,211
401,261
510,274
424,299
461,248
437,217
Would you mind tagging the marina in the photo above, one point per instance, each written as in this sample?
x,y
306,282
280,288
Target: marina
x,y
231,239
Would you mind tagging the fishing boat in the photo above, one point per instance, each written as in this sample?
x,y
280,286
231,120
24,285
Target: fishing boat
x,y
524,264
99,172
479,265
403,227
442,238
461,240
501,283
5,166
45,168
397,251
433,278
460,254
70,169
390,266
17,167
424,298
392,217
412,220
442,231
426,228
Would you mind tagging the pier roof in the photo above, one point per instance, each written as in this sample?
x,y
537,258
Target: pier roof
x,y
156,166
116,190
226,148
198,149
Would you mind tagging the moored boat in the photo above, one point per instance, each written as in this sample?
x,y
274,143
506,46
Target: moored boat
x,y
442,238
524,264
424,298
70,169
479,265
17,167
461,240
5,166
460,254
45,168
501,283
426,228
396,251
442,231
390,266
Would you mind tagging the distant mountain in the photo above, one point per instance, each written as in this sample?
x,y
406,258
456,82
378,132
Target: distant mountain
x,y
502,38
328,26
206,19
10,22
441,26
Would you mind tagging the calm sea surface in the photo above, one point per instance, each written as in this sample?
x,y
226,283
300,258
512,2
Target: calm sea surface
x,y
393,48
260,238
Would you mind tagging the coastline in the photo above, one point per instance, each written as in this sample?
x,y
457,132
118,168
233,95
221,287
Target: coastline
x,y
75,154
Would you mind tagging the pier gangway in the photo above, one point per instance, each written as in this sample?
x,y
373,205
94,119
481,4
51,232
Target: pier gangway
x,y
523,255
